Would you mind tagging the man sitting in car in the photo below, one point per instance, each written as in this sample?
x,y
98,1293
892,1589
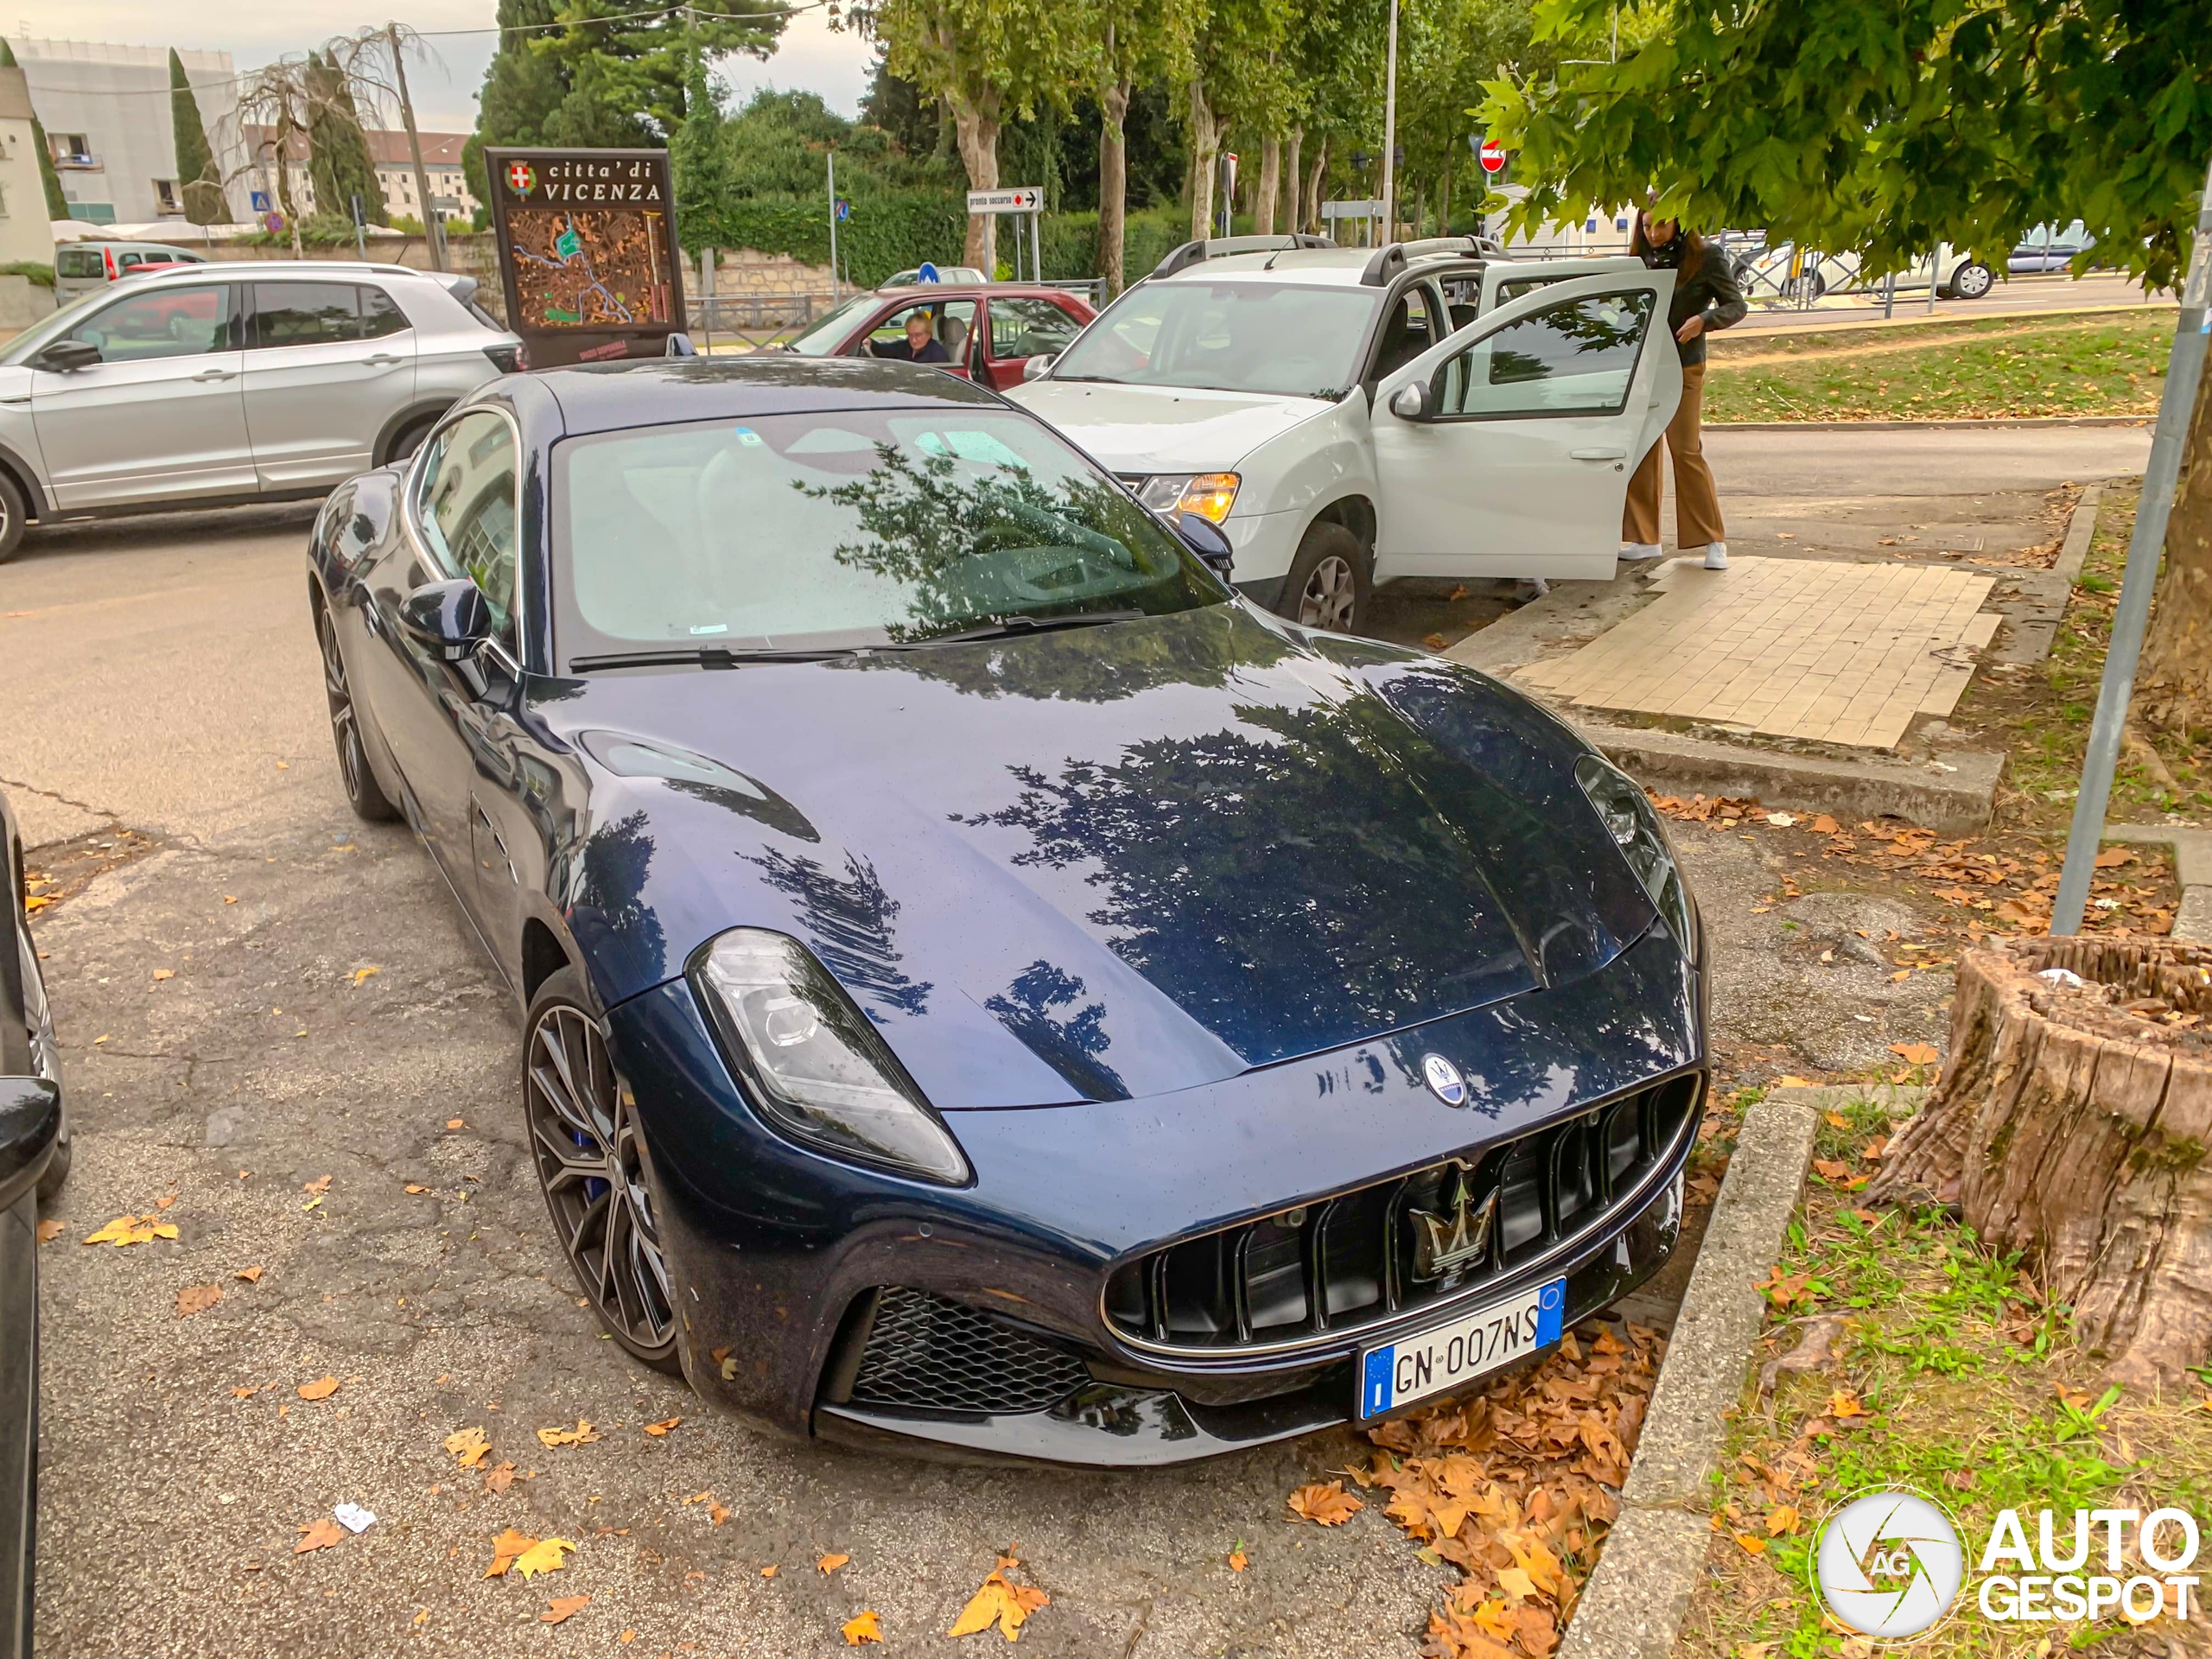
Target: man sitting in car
x,y
920,345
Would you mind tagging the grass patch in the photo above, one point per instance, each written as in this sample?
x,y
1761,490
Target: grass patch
x,y
2107,363
2041,715
1953,1373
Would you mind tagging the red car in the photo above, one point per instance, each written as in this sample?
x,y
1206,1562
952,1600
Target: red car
x,y
988,330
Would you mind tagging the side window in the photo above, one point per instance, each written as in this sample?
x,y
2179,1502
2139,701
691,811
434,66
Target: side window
x,y
952,324
129,261
1029,328
79,262
321,314
465,502
1409,331
168,322
1575,357
1520,286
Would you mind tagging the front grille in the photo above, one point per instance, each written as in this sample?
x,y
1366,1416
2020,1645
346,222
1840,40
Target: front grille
x,y
926,1354
1366,1256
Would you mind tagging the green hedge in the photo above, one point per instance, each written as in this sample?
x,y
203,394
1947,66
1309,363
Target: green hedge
x,y
36,274
896,231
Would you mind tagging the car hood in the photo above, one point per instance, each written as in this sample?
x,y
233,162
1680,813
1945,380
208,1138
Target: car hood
x,y
1096,863
1146,430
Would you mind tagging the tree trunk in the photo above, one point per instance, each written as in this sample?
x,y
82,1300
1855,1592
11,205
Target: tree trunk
x,y
1293,213
1444,198
1112,183
977,126
1205,149
2077,1133
1313,186
2174,689
1263,201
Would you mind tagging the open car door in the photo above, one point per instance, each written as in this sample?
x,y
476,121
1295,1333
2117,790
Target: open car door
x,y
1505,449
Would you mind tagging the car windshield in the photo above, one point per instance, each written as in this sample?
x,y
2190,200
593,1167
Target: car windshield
x,y
55,324
820,338
864,528
1264,337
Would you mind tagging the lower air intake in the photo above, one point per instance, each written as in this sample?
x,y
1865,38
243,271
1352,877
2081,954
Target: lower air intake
x,y
926,1354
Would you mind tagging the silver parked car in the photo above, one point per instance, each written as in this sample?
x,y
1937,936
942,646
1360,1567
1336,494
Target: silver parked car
x,y
226,383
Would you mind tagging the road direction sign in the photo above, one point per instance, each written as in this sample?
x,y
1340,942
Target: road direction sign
x,y
1019,199
1369,207
1493,156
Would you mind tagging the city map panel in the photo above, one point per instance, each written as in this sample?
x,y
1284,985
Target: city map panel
x,y
589,268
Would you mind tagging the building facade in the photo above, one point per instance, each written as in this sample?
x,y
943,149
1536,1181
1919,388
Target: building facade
x,y
106,111
395,166
25,232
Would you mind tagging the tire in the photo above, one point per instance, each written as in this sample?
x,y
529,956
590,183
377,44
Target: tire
x,y
409,440
57,1167
1970,280
14,518
595,1172
363,793
1331,582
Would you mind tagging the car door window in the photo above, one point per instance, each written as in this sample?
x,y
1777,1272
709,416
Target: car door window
x,y
465,505
1575,357
1409,330
952,322
321,314
79,262
164,323
1029,328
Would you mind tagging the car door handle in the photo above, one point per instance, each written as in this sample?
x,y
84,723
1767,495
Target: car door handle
x,y
216,374
384,360
1598,455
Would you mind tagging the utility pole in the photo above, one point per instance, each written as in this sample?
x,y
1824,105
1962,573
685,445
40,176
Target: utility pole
x,y
433,232
1390,128
2185,367
836,288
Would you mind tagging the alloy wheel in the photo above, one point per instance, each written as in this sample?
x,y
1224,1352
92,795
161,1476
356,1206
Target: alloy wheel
x,y
1329,597
583,1135
343,726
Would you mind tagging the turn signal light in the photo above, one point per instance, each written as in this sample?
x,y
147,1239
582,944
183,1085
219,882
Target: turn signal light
x,y
1210,495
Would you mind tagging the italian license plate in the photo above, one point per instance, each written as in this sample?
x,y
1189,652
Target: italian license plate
x,y
1436,1361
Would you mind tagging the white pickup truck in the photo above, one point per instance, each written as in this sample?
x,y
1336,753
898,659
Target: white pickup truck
x,y
1350,416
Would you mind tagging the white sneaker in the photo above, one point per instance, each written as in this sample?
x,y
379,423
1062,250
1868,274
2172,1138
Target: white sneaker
x,y
1529,589
1716,555
1639,549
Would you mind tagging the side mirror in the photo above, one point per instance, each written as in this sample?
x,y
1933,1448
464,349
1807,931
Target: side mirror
x,y
30,1122
1206,539
1037,367
1410,403
449,617
67,356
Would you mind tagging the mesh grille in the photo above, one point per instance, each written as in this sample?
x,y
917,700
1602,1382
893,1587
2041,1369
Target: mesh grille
x,y
926,1354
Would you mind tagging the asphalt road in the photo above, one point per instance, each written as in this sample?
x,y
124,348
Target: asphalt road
x,y
321,1012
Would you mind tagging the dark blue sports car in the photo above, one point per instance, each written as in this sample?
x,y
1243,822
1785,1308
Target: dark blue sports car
x,y
987,986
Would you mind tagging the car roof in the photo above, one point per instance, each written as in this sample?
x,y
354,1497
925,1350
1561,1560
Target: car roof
x,y
324,268
667,391
935,290
1311,267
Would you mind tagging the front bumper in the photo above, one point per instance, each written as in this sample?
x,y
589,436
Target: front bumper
x,y
780,1257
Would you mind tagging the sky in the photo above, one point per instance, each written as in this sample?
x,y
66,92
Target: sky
x,y
809,59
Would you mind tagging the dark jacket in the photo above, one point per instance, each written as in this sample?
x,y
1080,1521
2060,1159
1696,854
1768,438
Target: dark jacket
x,y
1708,291
934,350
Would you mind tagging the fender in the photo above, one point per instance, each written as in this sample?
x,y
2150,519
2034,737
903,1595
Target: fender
x,y
421,410
31,481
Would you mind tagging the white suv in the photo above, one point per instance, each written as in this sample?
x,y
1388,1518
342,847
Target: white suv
x,y
231,382
1352,415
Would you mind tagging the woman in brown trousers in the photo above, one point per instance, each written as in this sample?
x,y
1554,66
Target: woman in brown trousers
x,y
1705,298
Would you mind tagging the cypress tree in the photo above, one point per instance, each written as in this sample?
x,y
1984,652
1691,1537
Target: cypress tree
x,y
697,157
57,204
205,202
523,86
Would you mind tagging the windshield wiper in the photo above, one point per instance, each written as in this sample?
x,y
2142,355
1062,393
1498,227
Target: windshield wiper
x,y
703,656
1019,624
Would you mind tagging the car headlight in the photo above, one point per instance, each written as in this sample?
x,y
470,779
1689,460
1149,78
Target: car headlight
x,y
814,1062
1208,495
1626,813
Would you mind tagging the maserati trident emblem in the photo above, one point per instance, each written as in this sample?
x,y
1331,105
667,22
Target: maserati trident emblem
x,y
1444,1079
1460,1235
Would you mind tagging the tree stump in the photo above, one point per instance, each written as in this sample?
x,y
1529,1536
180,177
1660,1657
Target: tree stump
x,y
2072,1123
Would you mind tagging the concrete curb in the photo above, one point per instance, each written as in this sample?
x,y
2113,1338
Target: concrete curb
x,y
1952,801
2079,530
2192,850
1634,1601
1994,425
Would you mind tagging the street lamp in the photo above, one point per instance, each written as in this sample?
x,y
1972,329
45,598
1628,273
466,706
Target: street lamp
x,y
1390,128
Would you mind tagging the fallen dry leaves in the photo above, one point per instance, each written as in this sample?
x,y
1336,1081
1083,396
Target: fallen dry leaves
x,y
560,1607
320,1534
863,1626
830,1563
583,1434
48,1231
469,1447
1001,1602
251,1275
659,1430
322,1389
133,1229
1511,1486
1325,1505
197,1299
527,1556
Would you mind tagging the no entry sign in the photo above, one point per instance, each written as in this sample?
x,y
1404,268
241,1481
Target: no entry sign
x,y
1493,155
